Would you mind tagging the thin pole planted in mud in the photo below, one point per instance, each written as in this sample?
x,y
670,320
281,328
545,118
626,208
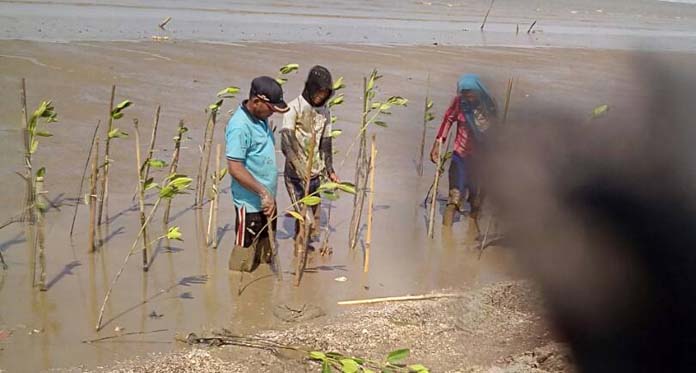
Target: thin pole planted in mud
x,y
433,201
123,266
370,204
508,96
40,226
94,176
426,108
483,24
205,158
28,213
105,175
173,166
153,139
141,195
82,180
303,236
360,177
211,237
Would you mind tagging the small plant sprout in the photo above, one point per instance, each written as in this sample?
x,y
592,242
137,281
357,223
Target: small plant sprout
x,y
115,113
174,184
428,117
372,113
35,201
286,70
139,167
393,362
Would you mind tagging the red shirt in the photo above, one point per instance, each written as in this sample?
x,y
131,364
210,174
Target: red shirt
x,y
463,141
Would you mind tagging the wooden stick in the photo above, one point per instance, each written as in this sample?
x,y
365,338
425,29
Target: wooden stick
x,y
164,23
94,176
212,218
508,96
105,174
151,148
82,180
433,201
28,174
205,159
303,236
531,27
483,24
517,30
173,167
370,204
88,341
359,196
399,299
141,195
425,127
123,266
40,230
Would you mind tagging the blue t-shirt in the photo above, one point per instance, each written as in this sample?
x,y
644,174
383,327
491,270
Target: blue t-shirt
x,y
250,140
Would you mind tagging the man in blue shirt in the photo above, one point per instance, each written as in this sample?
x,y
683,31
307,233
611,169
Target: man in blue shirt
x,y
251,161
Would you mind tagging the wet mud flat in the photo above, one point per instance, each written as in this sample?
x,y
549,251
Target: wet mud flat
x,y
190,287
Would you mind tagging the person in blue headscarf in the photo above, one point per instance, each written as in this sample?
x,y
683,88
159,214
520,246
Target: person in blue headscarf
x,y
473,110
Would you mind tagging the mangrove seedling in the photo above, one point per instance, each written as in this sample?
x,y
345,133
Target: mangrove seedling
x,y
372,111
217,176
92,197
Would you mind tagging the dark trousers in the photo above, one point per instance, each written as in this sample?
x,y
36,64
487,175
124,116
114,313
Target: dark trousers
x,y
463,177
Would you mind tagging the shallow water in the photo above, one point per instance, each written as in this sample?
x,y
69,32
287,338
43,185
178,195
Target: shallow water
x,y
625,24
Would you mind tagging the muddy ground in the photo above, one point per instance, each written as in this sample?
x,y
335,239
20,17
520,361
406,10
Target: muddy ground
x,y
500,328
190,287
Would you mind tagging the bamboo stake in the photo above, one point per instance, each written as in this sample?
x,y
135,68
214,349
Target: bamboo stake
x,y
508,96
399,299
487,13
107,161
370,205
173,167
40,238
212,218
303,236
141,196
93,196
433,201
153,139
82,180
360,163
28,174
205,158
123,266
425,127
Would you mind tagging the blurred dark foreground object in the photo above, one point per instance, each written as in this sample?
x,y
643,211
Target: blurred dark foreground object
x,y
604,214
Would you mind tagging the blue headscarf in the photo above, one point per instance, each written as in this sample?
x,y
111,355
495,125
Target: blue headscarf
x,y
472,82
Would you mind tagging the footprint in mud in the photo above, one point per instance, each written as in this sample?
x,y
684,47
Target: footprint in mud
x,y
302,313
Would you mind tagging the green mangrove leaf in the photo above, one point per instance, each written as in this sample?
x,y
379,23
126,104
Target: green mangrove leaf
x,y
41,172
398,355
228,92
174,233
338,84
397,100
123,105
335,133
418,368
311,200
349,366
117,133
338,100
381,123
347,187
157,163
287,69
43,134
325,367
600,111
317,355
295,215
150,184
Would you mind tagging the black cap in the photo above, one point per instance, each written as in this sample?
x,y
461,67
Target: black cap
x,y
268,89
